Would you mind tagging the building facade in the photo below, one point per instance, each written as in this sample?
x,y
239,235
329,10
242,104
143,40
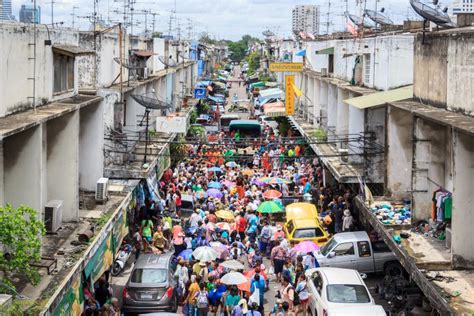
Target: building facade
x,y
6,10
28,14
462,6
305,19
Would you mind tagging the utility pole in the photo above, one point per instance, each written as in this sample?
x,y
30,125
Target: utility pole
x,y
73,14
153,25
52,12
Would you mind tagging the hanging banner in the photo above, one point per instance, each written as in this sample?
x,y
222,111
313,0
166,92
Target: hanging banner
x,y
289,95
72,302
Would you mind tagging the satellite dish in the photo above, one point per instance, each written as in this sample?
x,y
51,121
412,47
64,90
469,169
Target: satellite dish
x,y
167,62
357,20
268,33
150,103
180,54
432,14
126,64
378,18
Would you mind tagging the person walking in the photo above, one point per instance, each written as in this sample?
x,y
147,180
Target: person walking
x,y
278,257
190,300
302,291
347,222
257,283
202,301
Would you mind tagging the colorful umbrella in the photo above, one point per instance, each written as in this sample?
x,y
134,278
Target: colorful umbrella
x,y
219,247
272,194
186,254
225,214
228,183
251,273
259,183
234,278
224,226
214,185
306,246
215,169
205,254
232,164
233,265
214,193
275,180
248,172
270,207
201,195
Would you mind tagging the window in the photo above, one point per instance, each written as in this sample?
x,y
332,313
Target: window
x,y
347,293
318,282
290,226
367,68
364,248
344,249
149,276
308,233
63,73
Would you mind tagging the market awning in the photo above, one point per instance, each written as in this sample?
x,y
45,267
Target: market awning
x,y
325,51
71,50
275,111
143,53
380,98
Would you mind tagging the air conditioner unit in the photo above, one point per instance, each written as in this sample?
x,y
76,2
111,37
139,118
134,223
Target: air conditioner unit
x,y
344,154
324,72
101,190
53,215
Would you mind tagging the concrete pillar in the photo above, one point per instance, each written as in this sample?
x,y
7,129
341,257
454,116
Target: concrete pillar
x,y
463,200
24,169
399,152
91,146
317,102
63,163
355,129
332,107
342,120
323,101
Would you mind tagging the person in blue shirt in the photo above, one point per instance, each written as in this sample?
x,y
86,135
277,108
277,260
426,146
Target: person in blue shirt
x,y
258,282
252,224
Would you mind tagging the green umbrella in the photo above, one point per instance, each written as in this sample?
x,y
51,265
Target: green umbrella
x,y
270,207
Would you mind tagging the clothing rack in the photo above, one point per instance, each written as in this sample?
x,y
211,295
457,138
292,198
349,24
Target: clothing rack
x,y
429,179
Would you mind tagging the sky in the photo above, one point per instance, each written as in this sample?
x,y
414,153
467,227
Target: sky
x,y
221,19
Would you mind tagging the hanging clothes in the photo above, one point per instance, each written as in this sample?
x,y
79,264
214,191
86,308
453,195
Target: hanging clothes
x,y
442,207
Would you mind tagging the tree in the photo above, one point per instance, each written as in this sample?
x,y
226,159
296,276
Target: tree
x,y
20,242
238,50
254,62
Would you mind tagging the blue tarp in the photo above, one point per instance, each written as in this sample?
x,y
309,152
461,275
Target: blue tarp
x,y
216,99
301,52
201,67
203,84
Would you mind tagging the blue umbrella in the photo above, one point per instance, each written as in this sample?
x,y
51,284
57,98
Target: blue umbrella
x,y
215,169
186,254
214,185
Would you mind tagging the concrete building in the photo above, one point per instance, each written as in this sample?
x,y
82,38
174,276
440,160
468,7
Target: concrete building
x,y
6,10
28,14
305,18
462,6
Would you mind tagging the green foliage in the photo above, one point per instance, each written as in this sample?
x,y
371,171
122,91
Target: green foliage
x,y
266,77
103,219
204,108
21,308
254,62
238,50
283,126
20,236
320,134
178,150
152,133
193,116
198,132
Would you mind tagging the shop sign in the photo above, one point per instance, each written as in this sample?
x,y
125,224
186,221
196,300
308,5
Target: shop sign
x,y
289,95
286,67
200,93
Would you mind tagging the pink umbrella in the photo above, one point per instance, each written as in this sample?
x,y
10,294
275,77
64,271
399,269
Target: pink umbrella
x,y
228,183
306,246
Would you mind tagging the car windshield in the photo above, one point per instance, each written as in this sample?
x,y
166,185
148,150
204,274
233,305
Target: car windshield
x,y
308,233
327,247
149,276
347,293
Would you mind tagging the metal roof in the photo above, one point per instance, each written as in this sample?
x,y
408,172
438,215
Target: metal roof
x,y
380,98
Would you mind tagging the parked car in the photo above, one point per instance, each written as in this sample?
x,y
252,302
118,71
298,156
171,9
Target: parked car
x,y
151,286
354,250
336,291
187,205
268,121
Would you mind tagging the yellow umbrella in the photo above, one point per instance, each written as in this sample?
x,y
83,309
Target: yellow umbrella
x,y
225,214
247,172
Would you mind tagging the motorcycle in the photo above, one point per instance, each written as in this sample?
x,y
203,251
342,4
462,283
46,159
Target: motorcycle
x,y
121,259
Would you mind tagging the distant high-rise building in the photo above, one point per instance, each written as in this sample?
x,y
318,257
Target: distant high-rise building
x,y
27,14
6,10
306,19
463,6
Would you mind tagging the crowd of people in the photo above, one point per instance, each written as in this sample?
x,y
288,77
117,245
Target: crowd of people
x,y
220,181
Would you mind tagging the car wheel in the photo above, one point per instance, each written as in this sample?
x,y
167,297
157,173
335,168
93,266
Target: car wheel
x,y
394,269
174,305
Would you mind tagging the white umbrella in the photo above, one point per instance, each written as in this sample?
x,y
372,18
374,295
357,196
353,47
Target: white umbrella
x,y
205,253
234,278
232,265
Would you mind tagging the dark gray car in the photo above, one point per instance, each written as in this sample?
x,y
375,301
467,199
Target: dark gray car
x,y
151,286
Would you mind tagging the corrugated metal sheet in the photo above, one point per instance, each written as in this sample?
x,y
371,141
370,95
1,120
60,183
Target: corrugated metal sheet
x,y
380,98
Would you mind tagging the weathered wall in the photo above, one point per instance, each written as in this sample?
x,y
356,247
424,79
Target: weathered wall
x,y
16,67
323,101
342,120
430,70
399,152
159,50
63,163
460,77
91,147
463,201
332,108
375,127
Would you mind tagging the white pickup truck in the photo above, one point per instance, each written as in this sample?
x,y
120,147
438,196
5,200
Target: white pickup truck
x,y
354,250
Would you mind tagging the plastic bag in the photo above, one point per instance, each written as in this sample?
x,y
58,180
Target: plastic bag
x,y
271,270
255,297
